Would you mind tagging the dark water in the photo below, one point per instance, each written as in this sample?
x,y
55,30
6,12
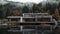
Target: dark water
x,y
4,31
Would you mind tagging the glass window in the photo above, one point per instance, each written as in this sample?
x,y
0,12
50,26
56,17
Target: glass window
x,y
43,19
29,20
14,19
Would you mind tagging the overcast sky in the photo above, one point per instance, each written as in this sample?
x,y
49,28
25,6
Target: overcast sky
x,y
35,1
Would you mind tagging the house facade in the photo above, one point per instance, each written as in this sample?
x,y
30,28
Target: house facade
x,y
32,23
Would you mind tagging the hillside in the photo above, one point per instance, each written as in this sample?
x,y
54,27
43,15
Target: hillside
x,y
16,8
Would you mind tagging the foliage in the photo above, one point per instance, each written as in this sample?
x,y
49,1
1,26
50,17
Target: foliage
x,y
3,11
25,9
56,14
6,10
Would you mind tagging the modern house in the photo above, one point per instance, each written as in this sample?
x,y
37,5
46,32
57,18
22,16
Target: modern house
x,y
32,23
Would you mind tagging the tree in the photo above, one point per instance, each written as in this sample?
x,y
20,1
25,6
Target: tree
x,y
59,11
30,10
3,11
35,9
56,14
48,5
17,12
48,12
40,5
25,9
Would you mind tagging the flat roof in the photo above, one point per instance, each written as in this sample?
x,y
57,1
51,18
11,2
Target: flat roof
x,y
35,13
26,17
39,17
14,16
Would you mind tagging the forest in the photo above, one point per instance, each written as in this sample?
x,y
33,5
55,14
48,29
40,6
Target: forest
x,y
11,10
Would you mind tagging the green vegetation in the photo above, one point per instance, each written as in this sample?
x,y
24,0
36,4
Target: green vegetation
x,y
7,10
